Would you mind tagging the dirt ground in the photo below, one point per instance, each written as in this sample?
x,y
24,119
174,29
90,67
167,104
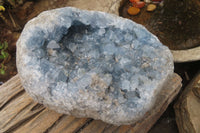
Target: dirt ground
x,y
10,33
175,30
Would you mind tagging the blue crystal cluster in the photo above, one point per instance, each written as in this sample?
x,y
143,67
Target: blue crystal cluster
x,y
92,64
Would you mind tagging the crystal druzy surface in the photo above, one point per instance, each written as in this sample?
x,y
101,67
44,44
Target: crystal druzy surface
x,y
92,64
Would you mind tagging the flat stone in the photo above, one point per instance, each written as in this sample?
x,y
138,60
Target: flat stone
x,y
151,7
133,10
139,4
105,67
187,108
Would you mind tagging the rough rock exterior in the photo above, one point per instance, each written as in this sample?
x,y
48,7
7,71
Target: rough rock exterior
x,y
187,108
92,64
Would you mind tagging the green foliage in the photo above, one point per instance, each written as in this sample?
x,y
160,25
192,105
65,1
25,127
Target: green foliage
x,y
3,47
4,56
2,69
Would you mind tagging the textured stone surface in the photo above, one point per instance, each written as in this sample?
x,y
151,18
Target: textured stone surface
x,y
187,108
92,64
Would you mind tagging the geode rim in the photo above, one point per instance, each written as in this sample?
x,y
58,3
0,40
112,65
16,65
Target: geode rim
x,y
92,64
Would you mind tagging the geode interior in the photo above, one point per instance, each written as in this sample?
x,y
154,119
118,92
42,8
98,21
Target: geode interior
x,y
92,64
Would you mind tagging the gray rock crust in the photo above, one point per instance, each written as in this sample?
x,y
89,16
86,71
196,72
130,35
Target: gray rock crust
x,y
92,64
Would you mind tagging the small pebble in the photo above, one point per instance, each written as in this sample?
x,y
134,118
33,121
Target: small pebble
x,y
132,1
147,1
156,0
133,10
151,7
139,4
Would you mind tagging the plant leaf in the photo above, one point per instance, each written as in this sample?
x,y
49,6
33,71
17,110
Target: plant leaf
x,y
2,8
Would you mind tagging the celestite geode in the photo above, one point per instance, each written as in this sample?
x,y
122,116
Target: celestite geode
x,y
92,64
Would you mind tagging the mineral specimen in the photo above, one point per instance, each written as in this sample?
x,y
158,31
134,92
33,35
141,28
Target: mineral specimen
x,y
92,64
